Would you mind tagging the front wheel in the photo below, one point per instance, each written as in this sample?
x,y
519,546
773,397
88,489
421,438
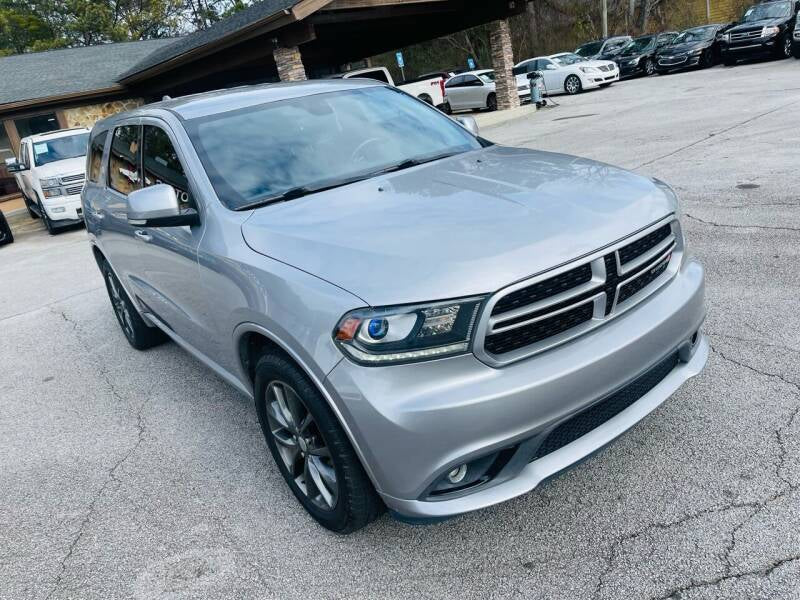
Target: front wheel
x,y
786,47
706,60
649,67
572,85
446,108
31,213
310,448
48,224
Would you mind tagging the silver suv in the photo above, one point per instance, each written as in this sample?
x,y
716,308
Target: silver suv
x,y
426,321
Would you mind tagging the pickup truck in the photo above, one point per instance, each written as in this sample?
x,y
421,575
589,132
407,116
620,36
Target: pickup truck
x,y
430,89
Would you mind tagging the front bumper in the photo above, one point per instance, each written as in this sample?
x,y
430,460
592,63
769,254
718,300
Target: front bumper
x,y
629,70
65,210
594,80
750,48
412,423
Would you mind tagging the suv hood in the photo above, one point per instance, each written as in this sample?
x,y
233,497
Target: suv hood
x,y
462,226
68,166
757,24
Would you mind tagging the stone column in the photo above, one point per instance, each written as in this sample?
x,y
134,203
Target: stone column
x,y
503,62
290,64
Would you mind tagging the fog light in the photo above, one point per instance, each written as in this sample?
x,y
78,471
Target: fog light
x,y
458,474
58,209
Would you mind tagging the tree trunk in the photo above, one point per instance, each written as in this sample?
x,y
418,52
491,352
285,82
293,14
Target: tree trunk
x,y
645,14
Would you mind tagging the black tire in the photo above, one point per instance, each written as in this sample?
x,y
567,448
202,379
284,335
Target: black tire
x,y
139,335
572,85
796,50
357,504
427,99
32,213
491,102
48,224
6,236
706,60
446,108
649,67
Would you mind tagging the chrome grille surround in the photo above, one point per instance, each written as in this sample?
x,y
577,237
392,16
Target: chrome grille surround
x,y
604,308
72,178
746,35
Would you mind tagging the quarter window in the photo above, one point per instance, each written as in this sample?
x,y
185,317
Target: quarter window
x,y
123,162
161,164
96,155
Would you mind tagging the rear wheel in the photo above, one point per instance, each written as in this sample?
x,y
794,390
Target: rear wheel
x,y
491,102
137,332
572,85
426,98
310,448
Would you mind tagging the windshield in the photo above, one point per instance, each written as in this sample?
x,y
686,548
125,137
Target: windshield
x,y
487,77
264,151
589,49
638,45
698,34
565,60
48,151
770,10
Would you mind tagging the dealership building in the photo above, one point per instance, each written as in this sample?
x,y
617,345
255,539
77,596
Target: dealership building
x,y
271,40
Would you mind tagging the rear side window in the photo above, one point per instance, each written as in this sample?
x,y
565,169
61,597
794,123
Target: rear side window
x,y
96,155
123,161
161,164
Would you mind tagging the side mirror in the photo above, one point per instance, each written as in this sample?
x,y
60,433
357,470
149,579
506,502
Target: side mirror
x,y
468,123
12,166
157,206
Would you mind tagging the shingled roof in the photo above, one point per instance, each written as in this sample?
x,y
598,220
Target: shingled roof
x,y
86,69
238,21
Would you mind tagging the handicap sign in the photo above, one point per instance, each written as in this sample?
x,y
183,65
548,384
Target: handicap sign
x,y
471,63
400,62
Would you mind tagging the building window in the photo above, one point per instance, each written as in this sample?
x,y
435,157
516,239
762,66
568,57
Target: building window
x,y
7,183
36,124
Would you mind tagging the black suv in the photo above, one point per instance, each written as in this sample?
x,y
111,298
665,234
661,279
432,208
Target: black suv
x,y
796,41
639,56
765,29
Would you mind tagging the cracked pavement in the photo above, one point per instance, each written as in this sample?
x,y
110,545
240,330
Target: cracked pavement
x,y
141,475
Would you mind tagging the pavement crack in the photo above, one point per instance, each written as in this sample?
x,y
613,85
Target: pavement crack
x,y
765,571
111,473
714,134
736,226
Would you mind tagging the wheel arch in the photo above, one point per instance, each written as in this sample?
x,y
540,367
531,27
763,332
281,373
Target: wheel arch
x,y
253,340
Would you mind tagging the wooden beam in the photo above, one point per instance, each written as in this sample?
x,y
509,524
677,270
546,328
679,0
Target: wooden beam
x,y
349,4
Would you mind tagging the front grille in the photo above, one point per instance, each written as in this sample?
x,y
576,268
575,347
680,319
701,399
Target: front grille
x,y
75,189
671,60
543,289
71,178
513,339
579,425
746,35
577,299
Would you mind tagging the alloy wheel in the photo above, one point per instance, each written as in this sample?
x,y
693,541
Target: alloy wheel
x,y
787,47
302,449
572,84
649,67
120,307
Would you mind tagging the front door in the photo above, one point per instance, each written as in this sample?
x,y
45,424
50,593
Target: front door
x,y
167,275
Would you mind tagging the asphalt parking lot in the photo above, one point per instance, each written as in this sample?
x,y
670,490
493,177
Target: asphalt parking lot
x,y
142,475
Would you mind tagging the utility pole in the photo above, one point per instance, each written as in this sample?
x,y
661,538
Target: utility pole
x,y
708,11
605,18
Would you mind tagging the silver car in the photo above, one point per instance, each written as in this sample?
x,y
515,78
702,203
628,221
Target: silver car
x,y
425,320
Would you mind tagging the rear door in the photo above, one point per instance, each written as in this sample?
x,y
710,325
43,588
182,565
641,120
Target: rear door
x,y
554,77
474,92
455,92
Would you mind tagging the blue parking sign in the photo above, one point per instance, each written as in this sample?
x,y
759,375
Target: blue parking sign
x,y
400,62
471,63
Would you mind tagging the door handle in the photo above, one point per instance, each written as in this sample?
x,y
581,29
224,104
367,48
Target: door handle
x,y
143,235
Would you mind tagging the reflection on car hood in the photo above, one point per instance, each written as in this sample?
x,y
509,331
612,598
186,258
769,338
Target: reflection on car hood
x,y
595,63
68,166
677,49
461,226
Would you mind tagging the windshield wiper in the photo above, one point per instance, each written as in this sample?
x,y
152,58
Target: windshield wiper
x,y
304,190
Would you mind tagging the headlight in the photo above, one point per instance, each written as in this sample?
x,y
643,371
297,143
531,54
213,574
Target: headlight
x,y
695,52
51,192
401,334
770,31
588,69
49,182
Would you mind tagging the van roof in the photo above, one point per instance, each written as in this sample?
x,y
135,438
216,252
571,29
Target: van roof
x,y
58,133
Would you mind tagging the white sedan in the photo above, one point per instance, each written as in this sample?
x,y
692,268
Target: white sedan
x,y
476,90
568,73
